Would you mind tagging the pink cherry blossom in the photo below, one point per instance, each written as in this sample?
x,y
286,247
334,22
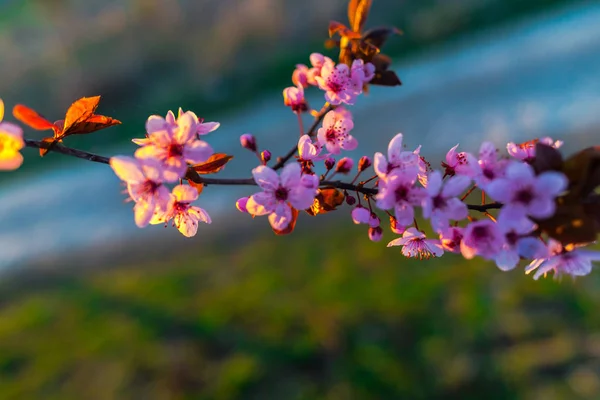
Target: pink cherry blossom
x,y
482,238
240,204
525,194
416,245
461,163
451,238
174,145
339,85
11,141
441,204
317,60
248,142
516,244
334,134
293,97
577,262
344,166
309,151
280,192
399,192
145,186
398,159
489,167
526,151
300,76
185,217
362,71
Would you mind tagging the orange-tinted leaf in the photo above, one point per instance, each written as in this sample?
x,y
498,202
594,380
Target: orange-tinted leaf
x,y
342,30
198,186
46,145
331,43
31,118
381,62
214,164
359,16
328,199
290,228
80,111
386,78
92,124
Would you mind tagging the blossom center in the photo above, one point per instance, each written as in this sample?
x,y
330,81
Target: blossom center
x,y
524,196
175,150
281,194
149,186
401,193
438,202
511,238
331,135
480,232
489,173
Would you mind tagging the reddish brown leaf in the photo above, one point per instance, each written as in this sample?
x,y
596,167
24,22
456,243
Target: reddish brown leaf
x,y
198,186
583,171
547,158
571,224
381,62
290,228
80,111
378,36
386,78
31,118
92,124
328,199
214,164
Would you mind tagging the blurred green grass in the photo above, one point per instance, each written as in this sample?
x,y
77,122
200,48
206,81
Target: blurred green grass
x,y
321,314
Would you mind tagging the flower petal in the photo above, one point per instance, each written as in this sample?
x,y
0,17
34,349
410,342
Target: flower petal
x,y
266,178
128,169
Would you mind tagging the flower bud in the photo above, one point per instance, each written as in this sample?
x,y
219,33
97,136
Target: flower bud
x,y
248,141
364,163
293,97
375,234
241,204
396,227
344,165
350,200
329,163
374,220
360,215
265,156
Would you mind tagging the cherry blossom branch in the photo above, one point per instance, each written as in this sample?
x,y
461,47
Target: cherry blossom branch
x,y
57,148
311,131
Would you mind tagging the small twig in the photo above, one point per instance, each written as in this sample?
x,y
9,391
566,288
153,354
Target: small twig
x,y
38,144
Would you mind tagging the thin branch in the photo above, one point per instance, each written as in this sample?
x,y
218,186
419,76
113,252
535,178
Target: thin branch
x,y
311,131
67,151
196,178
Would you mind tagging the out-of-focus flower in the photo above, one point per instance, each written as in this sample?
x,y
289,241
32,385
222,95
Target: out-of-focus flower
x,y
144,180
441,204
482,238
526,151
309,151
174,145
451,238
240,204
525,194
329,163
334,134
279,192
364,163
265,156
577,262
415,244
300,76
363,71
489,167
11,141
516,244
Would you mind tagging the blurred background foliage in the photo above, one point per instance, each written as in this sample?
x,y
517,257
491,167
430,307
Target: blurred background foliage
x,y
322,314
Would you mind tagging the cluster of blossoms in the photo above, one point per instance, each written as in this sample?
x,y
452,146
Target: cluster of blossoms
x,y
403,187
171,144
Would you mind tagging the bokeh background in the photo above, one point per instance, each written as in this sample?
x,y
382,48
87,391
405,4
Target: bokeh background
x,y
91,307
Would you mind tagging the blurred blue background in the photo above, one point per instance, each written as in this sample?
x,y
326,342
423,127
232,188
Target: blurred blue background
x,y
92,307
